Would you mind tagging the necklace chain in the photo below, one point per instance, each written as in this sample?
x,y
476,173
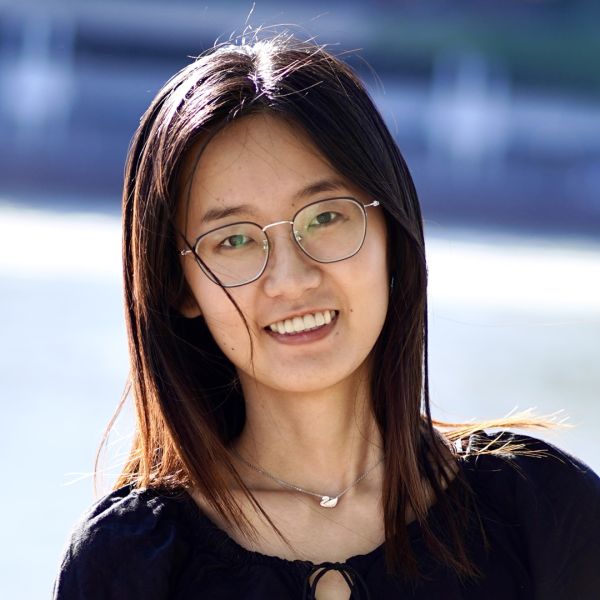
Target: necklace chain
x,y
326,501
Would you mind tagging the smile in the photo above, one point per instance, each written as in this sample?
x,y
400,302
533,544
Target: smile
x,y
304,323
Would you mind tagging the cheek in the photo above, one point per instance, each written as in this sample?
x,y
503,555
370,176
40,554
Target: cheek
x,y
234,347
371,294
375,263
224,322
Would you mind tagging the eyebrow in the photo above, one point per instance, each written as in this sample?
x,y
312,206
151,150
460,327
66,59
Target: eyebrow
x,y
214,214
324,185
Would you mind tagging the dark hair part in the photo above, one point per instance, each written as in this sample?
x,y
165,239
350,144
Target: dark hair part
x,y
186,415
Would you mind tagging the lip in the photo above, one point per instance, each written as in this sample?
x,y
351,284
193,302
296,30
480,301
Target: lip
x,y
304,337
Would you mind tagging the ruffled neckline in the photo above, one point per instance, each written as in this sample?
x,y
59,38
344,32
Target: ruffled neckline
x,y
202,527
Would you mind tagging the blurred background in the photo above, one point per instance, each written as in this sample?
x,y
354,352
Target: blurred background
x,y
496,107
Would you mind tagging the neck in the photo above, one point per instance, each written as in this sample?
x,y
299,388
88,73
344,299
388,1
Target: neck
x,y
319,440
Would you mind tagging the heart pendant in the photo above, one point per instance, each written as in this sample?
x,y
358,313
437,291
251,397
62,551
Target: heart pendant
x,y
327,502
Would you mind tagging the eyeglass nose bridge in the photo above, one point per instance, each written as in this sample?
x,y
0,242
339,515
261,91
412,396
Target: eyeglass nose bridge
x,y
296,233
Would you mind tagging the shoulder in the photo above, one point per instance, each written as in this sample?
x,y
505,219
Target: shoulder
x,y
530,474
129,516
549,499
527,462
128,532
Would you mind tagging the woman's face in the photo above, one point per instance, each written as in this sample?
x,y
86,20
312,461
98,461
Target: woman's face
x,y
262,169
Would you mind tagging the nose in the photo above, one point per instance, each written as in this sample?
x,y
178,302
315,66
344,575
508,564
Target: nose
x,y
289,272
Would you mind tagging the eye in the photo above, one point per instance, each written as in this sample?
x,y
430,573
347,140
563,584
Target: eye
x,y
324,218
238,240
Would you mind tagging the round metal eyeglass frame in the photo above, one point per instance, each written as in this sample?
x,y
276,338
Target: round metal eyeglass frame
x,y
191,249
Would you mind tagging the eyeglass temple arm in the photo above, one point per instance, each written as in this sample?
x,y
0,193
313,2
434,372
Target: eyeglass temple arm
x,y
188,250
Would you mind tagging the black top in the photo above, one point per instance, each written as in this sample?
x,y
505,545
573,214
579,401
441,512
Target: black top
x,y
541,517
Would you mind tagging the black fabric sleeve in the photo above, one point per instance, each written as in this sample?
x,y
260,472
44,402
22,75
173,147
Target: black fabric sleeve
x,y
557,500
128,546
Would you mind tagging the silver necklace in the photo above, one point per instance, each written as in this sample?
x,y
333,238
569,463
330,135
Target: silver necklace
x,y
326,501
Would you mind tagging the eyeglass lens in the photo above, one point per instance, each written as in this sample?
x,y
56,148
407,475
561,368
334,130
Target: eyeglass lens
x,y
327,231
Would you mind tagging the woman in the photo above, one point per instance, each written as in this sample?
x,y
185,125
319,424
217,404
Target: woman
x,y
275,286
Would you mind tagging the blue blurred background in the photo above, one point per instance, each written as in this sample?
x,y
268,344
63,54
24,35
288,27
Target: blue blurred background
x,y
496,106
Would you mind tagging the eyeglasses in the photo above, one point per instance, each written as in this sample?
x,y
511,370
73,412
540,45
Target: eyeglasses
x,y
327,231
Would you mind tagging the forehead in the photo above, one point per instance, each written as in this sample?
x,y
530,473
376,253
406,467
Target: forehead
x,y
260,161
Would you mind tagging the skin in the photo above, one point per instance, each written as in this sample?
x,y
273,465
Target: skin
x,y
308,415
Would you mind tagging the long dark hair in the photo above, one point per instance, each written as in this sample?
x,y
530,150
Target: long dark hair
x,y
188,405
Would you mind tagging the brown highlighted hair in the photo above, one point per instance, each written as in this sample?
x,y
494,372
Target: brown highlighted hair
x,y
188,407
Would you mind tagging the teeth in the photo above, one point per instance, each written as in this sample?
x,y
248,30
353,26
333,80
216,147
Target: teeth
x,y
304,323
309,322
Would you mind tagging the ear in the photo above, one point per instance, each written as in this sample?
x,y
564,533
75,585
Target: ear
x,y
185,303
183,300
189,307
